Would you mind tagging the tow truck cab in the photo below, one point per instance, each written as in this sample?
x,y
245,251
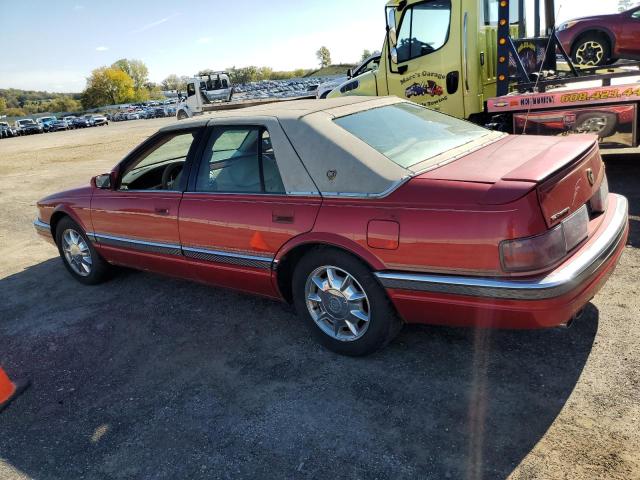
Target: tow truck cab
x,y
473,59
202,91
444,55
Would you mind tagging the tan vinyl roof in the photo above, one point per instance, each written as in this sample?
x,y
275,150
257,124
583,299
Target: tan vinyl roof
x,y
325,157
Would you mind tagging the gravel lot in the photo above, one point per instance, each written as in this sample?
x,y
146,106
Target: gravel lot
x,y
149,377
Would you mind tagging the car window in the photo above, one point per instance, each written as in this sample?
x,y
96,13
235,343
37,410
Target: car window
x,y
160,168
239,160
424,29
408,134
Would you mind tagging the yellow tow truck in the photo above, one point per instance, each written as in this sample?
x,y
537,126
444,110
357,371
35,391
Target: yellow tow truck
x,y
472,59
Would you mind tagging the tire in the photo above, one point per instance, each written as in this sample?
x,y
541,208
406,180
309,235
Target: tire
x,y
603,124
592,49
336,302
94,271
182,115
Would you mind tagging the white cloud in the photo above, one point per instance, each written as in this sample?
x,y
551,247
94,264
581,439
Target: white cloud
x,y
204,40
102,49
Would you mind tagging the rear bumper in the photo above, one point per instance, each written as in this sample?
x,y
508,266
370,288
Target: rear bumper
x,y
505,303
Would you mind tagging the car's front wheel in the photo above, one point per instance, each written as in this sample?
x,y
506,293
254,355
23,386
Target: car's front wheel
x,y
79,256
591,50
344,305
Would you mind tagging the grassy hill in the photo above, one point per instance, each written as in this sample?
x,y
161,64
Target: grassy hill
x,y
340,69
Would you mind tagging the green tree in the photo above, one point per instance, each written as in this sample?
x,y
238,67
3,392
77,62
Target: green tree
x,y
173,82
365,54
324,56
3,105
136,69
108,86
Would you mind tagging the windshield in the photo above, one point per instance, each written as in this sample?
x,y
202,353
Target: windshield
x,y
26,122
408,134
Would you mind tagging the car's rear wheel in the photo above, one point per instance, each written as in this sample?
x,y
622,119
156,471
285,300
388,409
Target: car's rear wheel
x,y
341,301
591,50
79,256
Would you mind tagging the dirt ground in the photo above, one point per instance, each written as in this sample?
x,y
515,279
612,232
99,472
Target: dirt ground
x,y
150,377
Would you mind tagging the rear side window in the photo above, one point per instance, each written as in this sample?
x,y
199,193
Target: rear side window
x,y
239,160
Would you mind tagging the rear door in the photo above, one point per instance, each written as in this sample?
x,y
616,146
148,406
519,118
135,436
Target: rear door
x,y
240,209
429,57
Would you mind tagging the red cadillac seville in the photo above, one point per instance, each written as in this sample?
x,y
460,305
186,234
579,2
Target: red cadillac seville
x,y
364,213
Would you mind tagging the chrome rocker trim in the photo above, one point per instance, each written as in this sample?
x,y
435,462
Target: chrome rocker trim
x,y
228,257
553,285
154,247
189,252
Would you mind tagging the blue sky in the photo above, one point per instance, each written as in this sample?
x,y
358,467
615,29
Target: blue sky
x,y
55,45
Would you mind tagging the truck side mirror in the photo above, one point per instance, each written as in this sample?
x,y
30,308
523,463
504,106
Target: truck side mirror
x,y
394,55
349,73
393,37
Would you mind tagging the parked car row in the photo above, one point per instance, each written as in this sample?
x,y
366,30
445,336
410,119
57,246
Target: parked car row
x,y
144,113
298,87
29,126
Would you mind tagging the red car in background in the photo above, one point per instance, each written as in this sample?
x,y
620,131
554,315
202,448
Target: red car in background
x,y
364,213
602,39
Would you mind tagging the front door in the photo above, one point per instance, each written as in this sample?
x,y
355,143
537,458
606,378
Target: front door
x,y
237,212
138,219
429,66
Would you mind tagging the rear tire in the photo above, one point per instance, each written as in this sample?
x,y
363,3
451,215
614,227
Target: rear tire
x,y
78,255
592,49
342,303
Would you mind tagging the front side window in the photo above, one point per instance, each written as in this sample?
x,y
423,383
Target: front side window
x,y
161,167
408,134
424,29
239,160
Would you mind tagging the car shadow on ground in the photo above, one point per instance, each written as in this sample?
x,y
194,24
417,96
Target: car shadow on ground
x,y
149,377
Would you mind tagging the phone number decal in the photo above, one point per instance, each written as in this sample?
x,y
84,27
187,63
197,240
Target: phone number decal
x,y
599,95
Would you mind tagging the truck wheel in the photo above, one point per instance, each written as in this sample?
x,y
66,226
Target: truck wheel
x,y
182,115
342,303
591,50
603,124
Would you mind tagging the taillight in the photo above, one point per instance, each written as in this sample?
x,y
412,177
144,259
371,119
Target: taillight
x,y
542,251
599,201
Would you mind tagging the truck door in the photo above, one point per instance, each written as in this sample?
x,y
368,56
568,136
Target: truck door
x,y
426,64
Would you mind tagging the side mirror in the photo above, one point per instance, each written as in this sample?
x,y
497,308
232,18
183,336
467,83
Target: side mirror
x,y
393,37
394,55
349,73
103,181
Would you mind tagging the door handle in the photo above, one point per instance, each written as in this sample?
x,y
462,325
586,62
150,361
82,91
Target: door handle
x,y
162,211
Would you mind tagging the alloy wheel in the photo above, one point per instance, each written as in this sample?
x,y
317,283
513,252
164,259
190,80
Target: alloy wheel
x,y
590,53
76,252
337,303
593,125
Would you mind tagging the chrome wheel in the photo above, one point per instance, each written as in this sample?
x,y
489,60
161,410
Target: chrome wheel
x,y
593,125
590,53
76,252
337,303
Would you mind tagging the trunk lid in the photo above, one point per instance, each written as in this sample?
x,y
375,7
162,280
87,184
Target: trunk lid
x,y
567,171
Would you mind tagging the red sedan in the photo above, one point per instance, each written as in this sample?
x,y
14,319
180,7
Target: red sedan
x,y
364,213
602,39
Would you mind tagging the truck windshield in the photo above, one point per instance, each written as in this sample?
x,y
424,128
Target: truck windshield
x,y
409,134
